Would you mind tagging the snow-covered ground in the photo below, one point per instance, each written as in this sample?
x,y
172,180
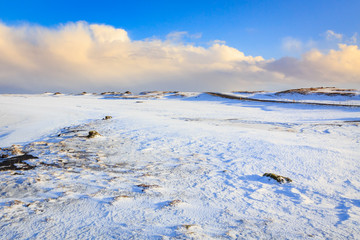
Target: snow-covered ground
x,y
324,95
178,166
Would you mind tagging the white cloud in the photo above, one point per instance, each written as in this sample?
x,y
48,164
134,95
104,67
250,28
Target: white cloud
x,y
332,39
79,57
339,66
331,35
180,37
176,36
107,34
353,39
92,57
292,44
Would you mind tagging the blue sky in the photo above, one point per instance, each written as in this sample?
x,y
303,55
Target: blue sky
x,y
254,27
273,30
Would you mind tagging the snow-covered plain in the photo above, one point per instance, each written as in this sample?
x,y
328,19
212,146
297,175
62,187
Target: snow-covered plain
x,y
179,166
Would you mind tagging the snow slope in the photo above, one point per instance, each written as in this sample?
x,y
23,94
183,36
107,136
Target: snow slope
x,y
179,167
323,95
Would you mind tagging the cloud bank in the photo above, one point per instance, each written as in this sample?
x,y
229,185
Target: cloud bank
x,y
340,67
77,57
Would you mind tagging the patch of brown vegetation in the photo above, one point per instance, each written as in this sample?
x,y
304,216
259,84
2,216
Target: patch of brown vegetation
x,y
248,92
349,94
303,91
13,150
157,92
174,202
16,150
320,90
117,198
222,95
111,93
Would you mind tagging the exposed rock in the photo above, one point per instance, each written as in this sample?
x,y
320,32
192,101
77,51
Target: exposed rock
x,y
188,226
93,134
146,186
16,163
278,178
107,117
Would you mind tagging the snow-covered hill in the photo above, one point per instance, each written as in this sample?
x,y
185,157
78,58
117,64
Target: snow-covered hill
x,y
320,95
177,166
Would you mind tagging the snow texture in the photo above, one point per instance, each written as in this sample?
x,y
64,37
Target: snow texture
x,y
178,166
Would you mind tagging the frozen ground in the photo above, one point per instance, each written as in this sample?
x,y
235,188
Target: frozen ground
x,y
178,166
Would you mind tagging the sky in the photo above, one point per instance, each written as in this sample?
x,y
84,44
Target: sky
x,y
75,46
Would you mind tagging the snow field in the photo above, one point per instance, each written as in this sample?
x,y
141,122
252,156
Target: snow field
x,y
179,168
